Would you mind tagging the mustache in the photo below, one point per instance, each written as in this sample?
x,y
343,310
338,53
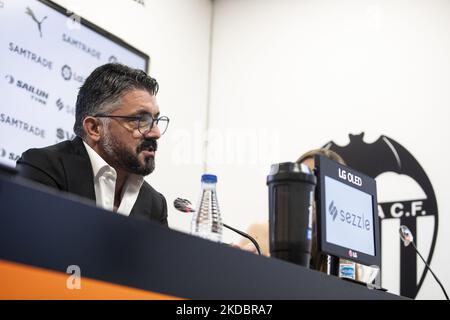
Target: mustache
x,y
148,144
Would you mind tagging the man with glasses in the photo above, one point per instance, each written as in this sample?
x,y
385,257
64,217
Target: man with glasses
x,y
117,125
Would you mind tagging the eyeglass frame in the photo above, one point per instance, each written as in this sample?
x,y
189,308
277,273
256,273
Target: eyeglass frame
x,y
138,118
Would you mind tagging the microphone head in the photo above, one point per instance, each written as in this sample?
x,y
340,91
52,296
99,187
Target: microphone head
x,y
183,205
406,235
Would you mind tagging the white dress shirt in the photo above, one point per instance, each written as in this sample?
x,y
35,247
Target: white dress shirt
x,y
105,178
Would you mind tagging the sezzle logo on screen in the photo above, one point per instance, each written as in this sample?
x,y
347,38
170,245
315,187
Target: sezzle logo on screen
x,y
355,220
350,177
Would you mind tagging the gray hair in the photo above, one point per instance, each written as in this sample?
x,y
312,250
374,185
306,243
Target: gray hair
x,y
103,89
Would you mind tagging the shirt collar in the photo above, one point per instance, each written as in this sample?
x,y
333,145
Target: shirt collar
x,y
100,166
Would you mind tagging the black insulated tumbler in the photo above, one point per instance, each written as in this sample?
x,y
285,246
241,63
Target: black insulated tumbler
x,y
291,198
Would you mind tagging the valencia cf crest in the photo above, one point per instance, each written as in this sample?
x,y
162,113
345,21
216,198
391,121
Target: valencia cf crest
x,y
396,169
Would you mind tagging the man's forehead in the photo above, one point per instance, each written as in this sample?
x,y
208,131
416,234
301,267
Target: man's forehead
x,y
145,109
139,101
139,95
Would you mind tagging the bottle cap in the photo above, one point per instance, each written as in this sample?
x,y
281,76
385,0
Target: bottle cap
x,y
209,178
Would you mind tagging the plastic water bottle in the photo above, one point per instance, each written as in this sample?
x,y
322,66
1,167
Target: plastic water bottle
x,y
207,221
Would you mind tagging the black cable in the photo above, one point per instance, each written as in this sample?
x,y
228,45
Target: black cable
x,y
185,205
245,236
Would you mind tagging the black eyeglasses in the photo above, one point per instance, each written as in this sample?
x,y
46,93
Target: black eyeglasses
x,y
145,122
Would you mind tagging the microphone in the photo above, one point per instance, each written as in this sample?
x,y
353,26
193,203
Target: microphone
x,y
407,238
185,205
406,235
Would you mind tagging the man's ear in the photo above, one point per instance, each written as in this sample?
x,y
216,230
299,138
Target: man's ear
x,y
92,127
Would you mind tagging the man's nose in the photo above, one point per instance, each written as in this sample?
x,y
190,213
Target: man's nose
x,y
154,133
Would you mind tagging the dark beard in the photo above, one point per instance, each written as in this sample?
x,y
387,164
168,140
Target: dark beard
x,y
122,157
130,163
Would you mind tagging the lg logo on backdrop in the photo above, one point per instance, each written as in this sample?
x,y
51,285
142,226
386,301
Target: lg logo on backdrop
x,y
68,74
113,59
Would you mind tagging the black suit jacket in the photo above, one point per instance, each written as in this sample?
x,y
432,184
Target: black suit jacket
x,y
66,166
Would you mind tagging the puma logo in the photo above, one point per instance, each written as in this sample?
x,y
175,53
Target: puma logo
x,y
39,23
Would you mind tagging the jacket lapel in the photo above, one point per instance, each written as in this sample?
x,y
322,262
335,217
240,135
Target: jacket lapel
x,y
80,179
143,204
